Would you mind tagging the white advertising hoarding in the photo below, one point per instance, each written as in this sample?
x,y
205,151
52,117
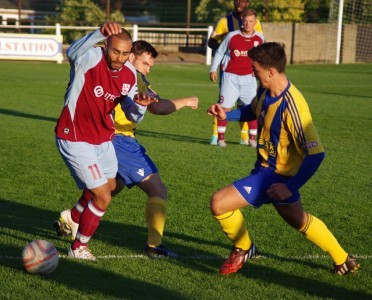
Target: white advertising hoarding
x,y
31,47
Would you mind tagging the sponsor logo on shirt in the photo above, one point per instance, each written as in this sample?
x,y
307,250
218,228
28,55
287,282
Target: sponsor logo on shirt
x,y
141,172
125,89
99,92
309,145
269,147
240,53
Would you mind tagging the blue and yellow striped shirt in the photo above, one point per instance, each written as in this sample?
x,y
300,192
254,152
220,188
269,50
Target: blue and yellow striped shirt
x,y
286,133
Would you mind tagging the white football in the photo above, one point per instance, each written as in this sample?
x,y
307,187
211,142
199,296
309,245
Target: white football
x,y
40,257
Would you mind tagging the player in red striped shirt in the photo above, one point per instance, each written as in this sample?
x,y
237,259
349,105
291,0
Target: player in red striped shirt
x,y
99,81
238,82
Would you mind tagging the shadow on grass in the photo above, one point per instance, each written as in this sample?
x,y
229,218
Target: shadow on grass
x,y
16,216
173,137
309,286
154,134
91,278
176,137
15,113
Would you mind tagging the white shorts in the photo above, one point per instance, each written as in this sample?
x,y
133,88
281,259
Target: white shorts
x,y
241,88
90,165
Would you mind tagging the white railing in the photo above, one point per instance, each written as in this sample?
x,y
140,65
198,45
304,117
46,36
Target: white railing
x,y
135,29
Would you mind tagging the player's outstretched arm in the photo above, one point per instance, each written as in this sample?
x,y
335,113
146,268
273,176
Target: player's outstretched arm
x,y
217,111
134,109
166,107
144,99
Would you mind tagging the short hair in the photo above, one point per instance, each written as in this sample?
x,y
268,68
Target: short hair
x,y
123,35
269,55
141,46
249,12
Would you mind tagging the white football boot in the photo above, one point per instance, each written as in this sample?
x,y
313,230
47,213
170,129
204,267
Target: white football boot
x,y
65,226
83,252
253,143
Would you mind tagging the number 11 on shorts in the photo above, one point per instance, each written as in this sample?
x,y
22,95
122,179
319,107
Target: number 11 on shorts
x,y
95,171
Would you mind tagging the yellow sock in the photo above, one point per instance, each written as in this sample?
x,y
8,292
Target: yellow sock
x,y
215,130
156,212
318,233
244,131
232,224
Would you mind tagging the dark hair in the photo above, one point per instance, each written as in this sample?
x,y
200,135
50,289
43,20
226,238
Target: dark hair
x,y
269,55
141,46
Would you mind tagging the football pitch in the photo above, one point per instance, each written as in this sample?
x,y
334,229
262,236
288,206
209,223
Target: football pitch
x,y
36,186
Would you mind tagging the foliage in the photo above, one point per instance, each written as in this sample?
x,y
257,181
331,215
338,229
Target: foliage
x,y
286,10
82,12
278,10
212,10
170,11
316,11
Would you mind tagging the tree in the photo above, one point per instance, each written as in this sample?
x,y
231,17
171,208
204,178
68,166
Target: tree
x,y
212,10
286,10
278,10
82,12
316,11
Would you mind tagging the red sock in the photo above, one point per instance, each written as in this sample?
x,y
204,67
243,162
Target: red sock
x,y
89,221
221,128
80,205
252,129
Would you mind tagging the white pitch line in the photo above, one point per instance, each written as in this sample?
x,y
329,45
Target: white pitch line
x,y
197,257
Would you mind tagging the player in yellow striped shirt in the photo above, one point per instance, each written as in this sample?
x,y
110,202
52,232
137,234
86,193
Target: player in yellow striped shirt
x,y
289,152
135,167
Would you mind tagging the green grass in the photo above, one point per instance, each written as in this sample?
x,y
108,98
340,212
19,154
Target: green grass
x,y
36,186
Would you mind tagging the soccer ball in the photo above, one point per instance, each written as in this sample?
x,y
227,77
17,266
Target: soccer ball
x,y
40,257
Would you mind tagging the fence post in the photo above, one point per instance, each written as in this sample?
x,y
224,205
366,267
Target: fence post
x,y
59,34
135,32
208,56
339,31
58,29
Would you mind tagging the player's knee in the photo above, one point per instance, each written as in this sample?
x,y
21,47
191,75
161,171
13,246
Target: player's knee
x,y
154,187
160,191
215,205
297,221
102,199
112,184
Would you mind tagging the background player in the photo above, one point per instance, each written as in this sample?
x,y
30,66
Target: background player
x,y
226,24
238,82
289,153
98,82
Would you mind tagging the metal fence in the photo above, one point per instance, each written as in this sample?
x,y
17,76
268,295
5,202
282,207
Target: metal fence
x,y
301,44
191,38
